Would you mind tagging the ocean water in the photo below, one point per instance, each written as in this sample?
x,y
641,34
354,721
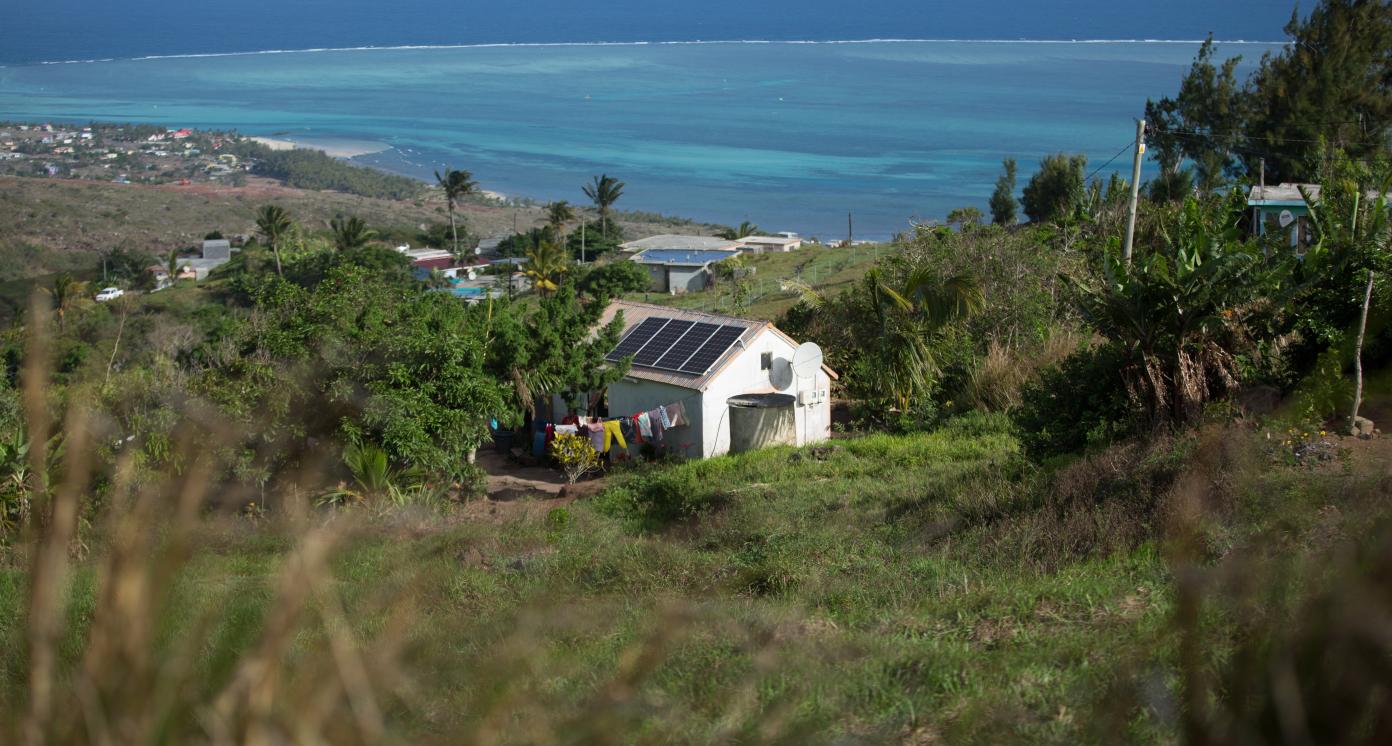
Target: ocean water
x,y
791,136
45,30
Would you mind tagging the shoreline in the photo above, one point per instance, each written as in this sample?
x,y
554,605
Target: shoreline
x,y
346,149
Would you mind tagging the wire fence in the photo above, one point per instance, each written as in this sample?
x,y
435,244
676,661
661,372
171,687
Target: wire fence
x,y
821,272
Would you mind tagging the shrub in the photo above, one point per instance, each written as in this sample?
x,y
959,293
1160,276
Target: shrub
x,y
1079,403
575,455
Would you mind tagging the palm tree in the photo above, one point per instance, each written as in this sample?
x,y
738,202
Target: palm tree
x,y
457,185
745,230
274,225
557,215
173,265
66,291
350,234
546,262
907,316
605,191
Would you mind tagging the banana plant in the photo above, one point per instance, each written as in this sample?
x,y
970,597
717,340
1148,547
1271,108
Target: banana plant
x,y
1180,310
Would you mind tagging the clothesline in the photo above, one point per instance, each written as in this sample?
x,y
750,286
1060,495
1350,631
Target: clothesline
x,y
647,426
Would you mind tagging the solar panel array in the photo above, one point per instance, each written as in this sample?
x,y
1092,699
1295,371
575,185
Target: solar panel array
x,y
676,346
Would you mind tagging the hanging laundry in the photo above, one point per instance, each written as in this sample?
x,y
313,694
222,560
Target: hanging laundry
x,y
567,429
539,443
613,431
597,439
644,425
676,415
633,428
662,417
629,430
655,422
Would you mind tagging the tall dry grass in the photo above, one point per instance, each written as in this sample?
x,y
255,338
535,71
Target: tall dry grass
x,y
996,383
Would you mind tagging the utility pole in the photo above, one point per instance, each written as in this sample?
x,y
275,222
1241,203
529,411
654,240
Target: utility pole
x,y
582,238
850,231
1135,192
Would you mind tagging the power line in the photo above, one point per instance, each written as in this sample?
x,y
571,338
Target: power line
x,y
1097,170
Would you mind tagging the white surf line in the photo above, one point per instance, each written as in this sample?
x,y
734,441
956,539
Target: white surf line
x,y
693,42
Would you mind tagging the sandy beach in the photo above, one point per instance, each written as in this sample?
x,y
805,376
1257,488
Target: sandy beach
x,y
335,148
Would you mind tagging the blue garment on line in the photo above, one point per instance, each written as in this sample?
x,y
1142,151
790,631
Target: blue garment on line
x,y
539,443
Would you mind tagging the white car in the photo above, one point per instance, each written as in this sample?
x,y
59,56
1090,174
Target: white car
x,y
109,294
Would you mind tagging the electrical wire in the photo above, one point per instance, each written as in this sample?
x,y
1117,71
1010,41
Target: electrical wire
x,y
1097,170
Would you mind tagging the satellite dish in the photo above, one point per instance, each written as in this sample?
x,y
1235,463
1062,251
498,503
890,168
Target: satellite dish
x,y
781,374
1286,218
807,360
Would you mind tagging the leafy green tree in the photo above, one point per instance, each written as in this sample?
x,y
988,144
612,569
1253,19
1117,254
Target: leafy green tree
x,y
125,265
604,192
274,225
1003,206
745,230
350,234
614,280
598,239
1172,185
557,347
1330,83
1056,189
964,218
1353,230
1203,124
457,184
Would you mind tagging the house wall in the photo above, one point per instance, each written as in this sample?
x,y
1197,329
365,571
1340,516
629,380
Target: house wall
x,y
630,396
657,277
744,375
688,279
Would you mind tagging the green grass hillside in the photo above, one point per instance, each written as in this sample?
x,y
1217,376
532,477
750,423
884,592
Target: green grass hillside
x,y
915,589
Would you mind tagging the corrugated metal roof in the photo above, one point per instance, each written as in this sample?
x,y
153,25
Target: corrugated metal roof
x,y
683,258
680,243
1281,193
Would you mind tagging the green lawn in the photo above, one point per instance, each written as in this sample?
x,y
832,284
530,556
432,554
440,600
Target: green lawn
x,y
900,588
828,270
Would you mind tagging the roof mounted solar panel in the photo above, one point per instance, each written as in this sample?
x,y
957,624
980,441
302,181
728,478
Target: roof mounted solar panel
x,y
714,348
662,342
687,346
635,340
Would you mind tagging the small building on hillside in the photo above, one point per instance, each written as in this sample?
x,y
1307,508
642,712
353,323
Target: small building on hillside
x,y
215,253
770,244
160,274
668,242
1282,208
217,249
677,272
428,258
715,367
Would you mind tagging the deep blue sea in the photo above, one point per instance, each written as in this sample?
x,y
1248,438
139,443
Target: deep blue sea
x,y
790,135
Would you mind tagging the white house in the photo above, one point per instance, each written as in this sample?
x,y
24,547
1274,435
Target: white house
x,y
770,244
703,361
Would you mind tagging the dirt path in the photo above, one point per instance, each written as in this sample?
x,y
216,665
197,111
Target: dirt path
x,y
508,480
516,491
